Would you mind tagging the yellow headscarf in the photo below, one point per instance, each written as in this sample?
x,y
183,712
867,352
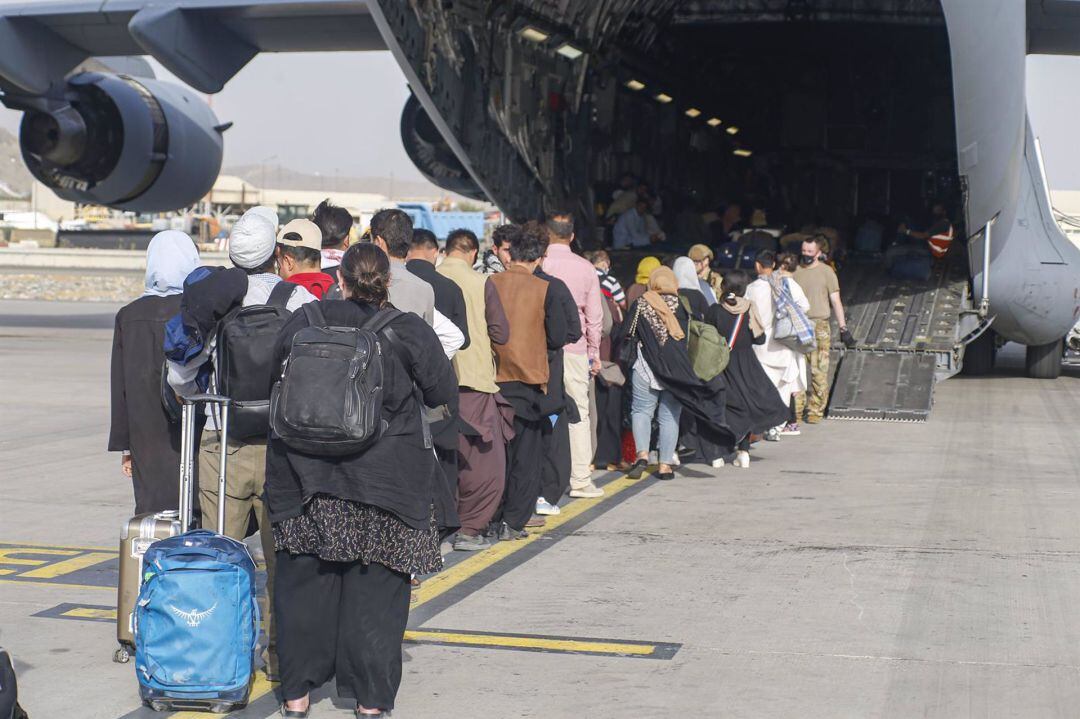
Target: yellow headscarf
x,y
645,268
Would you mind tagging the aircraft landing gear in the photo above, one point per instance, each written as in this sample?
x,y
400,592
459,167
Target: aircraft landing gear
x,y
1044,361
980,354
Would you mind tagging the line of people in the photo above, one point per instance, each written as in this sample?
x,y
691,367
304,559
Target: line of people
x,y
505,385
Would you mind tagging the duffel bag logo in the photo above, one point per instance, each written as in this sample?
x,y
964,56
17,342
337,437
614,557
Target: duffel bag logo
x,y
194,617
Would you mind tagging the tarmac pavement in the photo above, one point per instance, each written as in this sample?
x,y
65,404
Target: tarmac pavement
x,y
860,570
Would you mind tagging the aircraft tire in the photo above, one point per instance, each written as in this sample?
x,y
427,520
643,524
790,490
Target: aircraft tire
x,y
1044,361
979,356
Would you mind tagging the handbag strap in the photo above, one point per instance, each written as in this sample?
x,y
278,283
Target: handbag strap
x,y
735,331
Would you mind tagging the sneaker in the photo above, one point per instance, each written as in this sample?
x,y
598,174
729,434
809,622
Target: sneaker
x,y
544,507
773,435
791,429
470,543
742,459
506,533
590,491
718,463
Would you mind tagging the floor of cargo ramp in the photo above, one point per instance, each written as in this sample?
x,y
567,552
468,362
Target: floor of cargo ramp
x,y
884,313
884,386
906,332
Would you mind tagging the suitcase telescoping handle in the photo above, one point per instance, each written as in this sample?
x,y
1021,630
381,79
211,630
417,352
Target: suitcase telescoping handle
x,y
187,457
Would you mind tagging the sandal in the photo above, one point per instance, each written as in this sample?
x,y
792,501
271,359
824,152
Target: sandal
x,y
294,713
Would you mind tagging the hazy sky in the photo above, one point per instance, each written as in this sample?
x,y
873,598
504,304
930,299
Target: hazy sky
x,y
321,112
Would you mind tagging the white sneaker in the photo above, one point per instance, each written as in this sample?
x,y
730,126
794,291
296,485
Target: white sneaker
x,y
543,507
742,459
588,492
718,463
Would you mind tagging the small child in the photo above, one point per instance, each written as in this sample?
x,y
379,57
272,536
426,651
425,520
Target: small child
x,y
608,284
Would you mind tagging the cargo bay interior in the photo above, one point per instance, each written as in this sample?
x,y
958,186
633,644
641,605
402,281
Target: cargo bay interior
x,y
825,118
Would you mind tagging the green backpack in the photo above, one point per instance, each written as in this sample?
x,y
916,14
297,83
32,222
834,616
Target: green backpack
x,y
709,351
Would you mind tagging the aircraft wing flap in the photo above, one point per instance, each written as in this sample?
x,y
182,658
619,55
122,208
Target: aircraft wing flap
x,y
187,36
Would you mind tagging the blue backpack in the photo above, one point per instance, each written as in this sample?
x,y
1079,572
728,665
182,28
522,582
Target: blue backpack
x,y
196,623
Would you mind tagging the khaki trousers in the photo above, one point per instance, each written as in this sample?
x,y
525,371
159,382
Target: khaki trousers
x,y
577,379
245,475
816,398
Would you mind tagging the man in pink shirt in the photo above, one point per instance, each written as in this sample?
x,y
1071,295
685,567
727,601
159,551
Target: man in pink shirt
x,y
581,360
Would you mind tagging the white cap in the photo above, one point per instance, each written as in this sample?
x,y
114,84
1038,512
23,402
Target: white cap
x,y
252,240
267,212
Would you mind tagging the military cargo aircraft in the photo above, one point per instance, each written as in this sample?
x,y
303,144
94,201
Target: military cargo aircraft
x,y
842,106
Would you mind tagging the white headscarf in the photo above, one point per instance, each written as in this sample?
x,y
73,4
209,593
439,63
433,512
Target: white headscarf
x,y
685,274
170,257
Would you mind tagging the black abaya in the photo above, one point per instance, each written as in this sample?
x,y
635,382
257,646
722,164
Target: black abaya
x,y
753,404
139,422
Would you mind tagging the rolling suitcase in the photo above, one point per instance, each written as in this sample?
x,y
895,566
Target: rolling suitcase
x,y
196,619
137,534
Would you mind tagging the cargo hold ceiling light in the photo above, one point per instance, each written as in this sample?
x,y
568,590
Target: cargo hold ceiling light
x,y
732,130
635,85
569,51
533,34
742,153
713,122
663,98
693,112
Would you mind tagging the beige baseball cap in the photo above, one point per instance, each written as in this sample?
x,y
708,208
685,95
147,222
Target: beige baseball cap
x,y
309,232
700,252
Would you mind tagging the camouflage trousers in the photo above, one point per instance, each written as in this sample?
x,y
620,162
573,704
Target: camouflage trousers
x,y
816,398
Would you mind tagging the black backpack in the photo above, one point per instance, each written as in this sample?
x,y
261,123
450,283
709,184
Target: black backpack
x,y
246,339
329,399
9,690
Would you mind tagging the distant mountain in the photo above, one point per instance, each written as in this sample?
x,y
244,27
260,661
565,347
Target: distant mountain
x,y
282,178
15,179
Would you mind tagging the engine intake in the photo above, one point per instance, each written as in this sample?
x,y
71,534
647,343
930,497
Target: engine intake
x,y
133,144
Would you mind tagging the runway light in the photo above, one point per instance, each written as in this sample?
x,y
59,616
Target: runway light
x,y
569,51
663,98
713,122
693,112
732,130
635,85
742,153
533,34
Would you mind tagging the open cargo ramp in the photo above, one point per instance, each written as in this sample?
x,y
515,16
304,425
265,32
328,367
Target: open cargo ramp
x,y
908,335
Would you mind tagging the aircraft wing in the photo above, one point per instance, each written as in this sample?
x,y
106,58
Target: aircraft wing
x,y
1053,27
203,42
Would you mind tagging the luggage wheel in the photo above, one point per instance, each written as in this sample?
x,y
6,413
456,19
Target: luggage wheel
x,y
121,656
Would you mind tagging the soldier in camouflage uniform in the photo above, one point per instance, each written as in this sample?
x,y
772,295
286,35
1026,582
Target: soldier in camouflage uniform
x,y
822,289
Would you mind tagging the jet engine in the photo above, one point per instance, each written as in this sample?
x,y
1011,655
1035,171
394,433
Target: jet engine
x,y
129,143
431,153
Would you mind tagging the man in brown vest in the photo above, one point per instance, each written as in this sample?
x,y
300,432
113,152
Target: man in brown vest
x,y
523,372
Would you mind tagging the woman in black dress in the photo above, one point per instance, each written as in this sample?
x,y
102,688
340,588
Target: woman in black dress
x,y
140,427
348,531
753,404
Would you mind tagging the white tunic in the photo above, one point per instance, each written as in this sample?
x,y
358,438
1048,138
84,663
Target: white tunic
x,y
785,367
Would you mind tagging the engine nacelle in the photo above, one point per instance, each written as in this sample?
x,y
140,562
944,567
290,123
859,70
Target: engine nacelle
x,y
129,143
431,153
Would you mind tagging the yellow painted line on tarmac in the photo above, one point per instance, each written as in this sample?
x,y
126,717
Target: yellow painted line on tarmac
x,y
90,613
68,548
538,643
447,580
7,555
59,569
62,585
462,571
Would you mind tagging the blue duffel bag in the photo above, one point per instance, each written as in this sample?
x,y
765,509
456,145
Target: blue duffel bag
x,y
196,623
